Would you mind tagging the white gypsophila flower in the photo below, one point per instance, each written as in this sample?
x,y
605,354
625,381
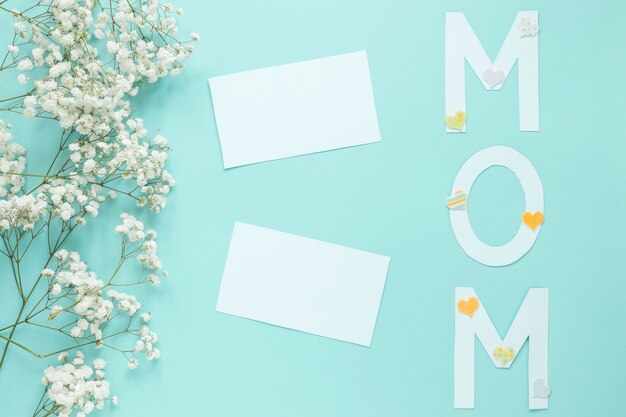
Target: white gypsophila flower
x,y
132,230
99,363
147,343
125,302
104,151
56,290
25,65
22,212
61,255
48,273
30,112
74,387
84,289
12,163
84,93
55,311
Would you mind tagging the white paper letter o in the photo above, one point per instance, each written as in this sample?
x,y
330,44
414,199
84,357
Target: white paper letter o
x,y
533,190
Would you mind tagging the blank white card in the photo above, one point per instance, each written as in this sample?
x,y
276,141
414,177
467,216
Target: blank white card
x,y
303,284
294,109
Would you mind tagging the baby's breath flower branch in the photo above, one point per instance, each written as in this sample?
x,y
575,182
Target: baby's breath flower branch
x,y
79,62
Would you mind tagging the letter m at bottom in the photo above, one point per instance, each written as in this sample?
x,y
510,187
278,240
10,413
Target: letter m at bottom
x,y
531,322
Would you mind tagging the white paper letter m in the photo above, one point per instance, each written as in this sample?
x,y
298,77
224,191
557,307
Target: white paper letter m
x,y
521,46
531,322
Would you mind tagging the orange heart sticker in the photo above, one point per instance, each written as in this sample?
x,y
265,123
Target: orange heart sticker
x,y
532,220
468,307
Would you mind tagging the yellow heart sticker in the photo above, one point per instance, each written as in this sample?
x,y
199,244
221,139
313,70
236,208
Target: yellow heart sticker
x,y
457,121
503,355
532,220
468,307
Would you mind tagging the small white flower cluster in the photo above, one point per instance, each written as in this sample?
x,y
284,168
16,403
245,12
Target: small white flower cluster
x,y
85,291
125,302
131,230
65,199
21,211
87,95
12,161
77,387
87,59
73,198
140,57
146,344
16,211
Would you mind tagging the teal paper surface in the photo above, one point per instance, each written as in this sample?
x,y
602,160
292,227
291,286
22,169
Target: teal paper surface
x,y
386,198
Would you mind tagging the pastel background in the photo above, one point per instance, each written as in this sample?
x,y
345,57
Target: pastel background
x,y
387,198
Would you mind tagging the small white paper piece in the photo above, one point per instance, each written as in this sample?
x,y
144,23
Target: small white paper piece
x,y
303,284
295,109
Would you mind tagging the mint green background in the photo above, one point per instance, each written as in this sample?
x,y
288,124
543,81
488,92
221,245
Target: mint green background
x,y
385,198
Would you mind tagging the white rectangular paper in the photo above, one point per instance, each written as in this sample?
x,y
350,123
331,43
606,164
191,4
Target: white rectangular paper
x,y
294,109
303,284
